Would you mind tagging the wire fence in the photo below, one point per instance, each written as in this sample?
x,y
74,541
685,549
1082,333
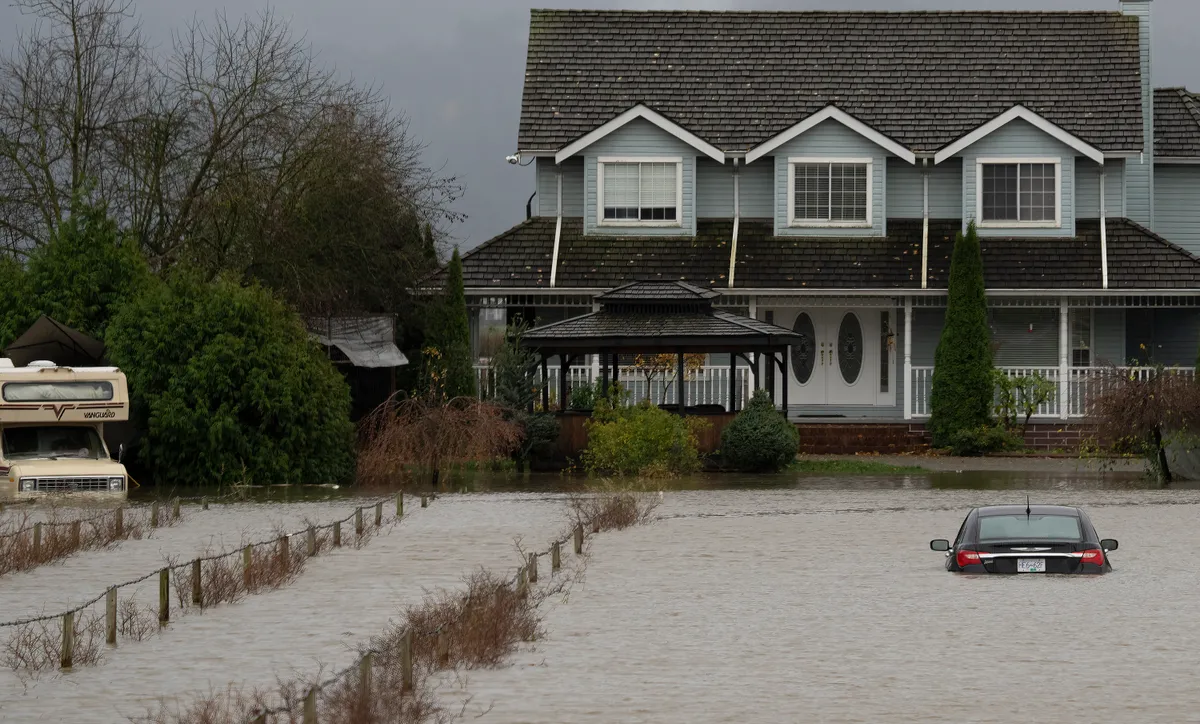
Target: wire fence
x,y
37,642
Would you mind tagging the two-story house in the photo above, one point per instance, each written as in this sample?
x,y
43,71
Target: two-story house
x,y
814,168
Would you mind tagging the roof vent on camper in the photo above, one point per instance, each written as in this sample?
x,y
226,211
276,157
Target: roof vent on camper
x,y
41,363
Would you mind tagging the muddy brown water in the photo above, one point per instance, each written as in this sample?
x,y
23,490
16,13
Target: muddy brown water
x,y
803,598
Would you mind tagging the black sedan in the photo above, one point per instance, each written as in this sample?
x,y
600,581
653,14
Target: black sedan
x,y
1027,539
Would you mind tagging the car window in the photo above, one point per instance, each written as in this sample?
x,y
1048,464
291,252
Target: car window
x,y
1021,526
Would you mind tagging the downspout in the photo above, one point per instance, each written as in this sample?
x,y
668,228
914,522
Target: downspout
x,y
925,225
557,227
737,218
1103,236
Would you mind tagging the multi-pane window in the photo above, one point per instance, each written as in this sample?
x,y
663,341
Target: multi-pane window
x,y
641,192
1019,192
831,192
1081,337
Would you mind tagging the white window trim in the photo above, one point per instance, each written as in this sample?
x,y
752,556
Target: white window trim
x,y
643,112
602,160
791,193
836,114
1091,338
1058,180
1012,114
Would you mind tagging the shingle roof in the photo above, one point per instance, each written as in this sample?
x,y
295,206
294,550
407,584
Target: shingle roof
x,y
923,78
1176,123
666,324
656,291
520,258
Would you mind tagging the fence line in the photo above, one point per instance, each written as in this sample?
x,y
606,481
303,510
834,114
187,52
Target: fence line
x,y
281,553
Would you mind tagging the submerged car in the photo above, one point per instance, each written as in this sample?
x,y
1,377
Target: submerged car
x,y
1027,539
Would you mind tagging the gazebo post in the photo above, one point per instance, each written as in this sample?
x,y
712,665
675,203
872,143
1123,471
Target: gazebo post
x,y
732,382
616,368
682,387
757,386
545,385
783,371
603,374
564,365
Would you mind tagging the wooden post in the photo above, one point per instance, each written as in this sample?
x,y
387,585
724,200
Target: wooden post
x,y
285,553
400,504
68,640
75,535
310,706
579,539
37,541
312,541
364,677
443,648
555,557
523,581
110,616
603,373
564,370
337,534
247,566
379,514
681,385
545,386
732,407
358,524
204,504
154,514
424,502
596,525
533,567
406,661
175,510
164,596
197,594
783,372
120,524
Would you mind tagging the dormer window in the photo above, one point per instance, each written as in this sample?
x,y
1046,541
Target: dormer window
x,y
640,191
1019,192
829,192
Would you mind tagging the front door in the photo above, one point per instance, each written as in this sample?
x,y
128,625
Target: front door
x,y
829,363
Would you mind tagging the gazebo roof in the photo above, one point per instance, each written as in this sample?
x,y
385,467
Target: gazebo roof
x,y
658,316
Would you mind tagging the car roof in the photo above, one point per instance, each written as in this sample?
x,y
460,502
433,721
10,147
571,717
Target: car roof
x,y
1033,510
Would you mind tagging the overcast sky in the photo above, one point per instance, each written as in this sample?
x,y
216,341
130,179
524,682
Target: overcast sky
x,y
455,67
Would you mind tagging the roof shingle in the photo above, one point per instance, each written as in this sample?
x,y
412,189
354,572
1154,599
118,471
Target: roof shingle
x,y
1176,123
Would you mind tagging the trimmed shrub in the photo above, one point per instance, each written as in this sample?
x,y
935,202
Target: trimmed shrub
x,y
759,439
984,439
640,440
962,374
228,388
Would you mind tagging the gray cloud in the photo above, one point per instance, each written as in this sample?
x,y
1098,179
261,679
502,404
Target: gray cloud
x,y
455,67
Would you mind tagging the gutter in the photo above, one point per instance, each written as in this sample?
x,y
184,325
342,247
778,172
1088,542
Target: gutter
x,y
737,218
1103,236
557,227
925,225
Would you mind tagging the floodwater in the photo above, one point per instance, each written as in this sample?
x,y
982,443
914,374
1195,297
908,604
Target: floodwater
x,y
797,599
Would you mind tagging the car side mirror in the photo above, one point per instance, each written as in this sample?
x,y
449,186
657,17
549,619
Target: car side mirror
x,y
120,452
940,544
1109,544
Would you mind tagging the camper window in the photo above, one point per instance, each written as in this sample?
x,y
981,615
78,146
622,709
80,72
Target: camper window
x,y
68,391
52,441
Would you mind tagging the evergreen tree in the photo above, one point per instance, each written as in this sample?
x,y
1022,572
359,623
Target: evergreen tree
x,y
16,307
450,333
962,374
429,247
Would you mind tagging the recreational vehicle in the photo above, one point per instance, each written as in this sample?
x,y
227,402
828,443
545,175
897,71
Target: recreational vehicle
x,y
52,430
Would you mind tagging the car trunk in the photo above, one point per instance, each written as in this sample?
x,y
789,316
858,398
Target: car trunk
x,y
1008,554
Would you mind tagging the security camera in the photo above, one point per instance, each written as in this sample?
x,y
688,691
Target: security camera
x,y
513,158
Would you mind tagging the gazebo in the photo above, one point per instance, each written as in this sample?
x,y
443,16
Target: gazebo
x,y
660,317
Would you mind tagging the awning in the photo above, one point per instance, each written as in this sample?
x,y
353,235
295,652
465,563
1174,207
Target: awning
x,y
47,339
366,341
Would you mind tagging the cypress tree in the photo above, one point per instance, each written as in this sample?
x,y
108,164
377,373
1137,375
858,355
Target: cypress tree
x,y
429,253
962,374
451,333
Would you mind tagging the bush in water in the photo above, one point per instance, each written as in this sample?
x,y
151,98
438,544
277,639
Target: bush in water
x,y
759,439
640,440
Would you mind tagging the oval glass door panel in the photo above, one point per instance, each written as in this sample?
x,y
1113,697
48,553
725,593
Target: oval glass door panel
x,y
850,348
804,349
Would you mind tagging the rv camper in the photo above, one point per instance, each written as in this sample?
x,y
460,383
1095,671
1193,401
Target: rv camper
x,y
52,430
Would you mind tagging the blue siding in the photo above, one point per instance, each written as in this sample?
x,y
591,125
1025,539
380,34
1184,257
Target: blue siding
x,y
758,190
1020,139
1162,336
1138,177
1139,190
927,331
1087,188
640,138
905,192
1177,205
714,189
1108,336
547,187
832,139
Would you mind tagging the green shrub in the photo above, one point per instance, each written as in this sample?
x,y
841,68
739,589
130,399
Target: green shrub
x,y
516,391
583,397
963,390
227,387
451,333
759,439
984,439
640,440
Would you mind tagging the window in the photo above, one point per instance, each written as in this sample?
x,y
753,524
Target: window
x,y
57,391
1021,193
885,339
641,192
829,192
1081,337
1029,527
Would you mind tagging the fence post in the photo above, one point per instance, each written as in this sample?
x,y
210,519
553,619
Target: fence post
x,y
68,640
358,524
555,557
110,616
75,535
579,539
247,565
120,524
424,502
364,677
285,553
312,541
37,541
310,706
175,510
197,594
406,661
337,534
400,504
204,504
379,514
522,580
154,514
164,596
533,567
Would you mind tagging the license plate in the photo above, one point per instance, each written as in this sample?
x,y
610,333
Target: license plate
x,y
1031,565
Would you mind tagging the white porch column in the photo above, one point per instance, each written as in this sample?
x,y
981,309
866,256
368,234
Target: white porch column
x,y
1064,359
596,357
908,383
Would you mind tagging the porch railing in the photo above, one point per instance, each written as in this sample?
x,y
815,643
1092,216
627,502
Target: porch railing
x,y
1083,383
708,385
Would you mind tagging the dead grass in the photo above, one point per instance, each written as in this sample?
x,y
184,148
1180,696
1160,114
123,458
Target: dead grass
x,y
62,536
38,645
609,506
